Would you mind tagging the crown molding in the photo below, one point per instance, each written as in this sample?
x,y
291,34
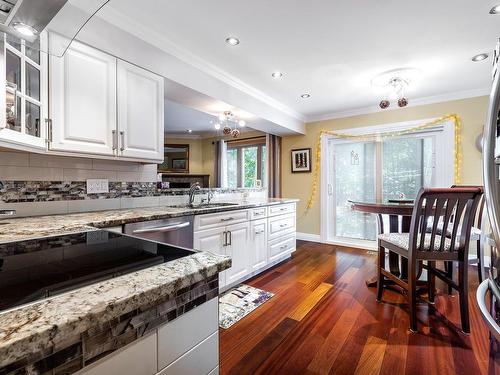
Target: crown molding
x,y
182,136
413,103
160,41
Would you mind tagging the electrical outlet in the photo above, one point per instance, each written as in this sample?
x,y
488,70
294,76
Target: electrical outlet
x,y
96,186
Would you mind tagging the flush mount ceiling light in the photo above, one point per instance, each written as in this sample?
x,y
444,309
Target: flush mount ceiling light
x,y
24,29
232,41
305,96
480,57
394,84
190,130
495,9
277,75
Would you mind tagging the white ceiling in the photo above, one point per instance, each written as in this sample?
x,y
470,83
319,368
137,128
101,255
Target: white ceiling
x,y
330,49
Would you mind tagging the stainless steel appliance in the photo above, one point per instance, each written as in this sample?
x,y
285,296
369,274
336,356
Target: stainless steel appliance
x,y
491,176
37,269
175,231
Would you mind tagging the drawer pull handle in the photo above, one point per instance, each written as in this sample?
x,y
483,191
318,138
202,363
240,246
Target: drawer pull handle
x,y
283,225
283,209
227,219
283,247
259,232
258,213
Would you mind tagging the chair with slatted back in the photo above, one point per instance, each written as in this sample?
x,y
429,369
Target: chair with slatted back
x,y
434,208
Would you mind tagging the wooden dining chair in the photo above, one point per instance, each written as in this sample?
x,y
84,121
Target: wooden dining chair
x,y
433,206
475,234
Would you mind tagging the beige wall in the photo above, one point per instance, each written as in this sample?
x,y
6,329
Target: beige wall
x,y
195,154
472,112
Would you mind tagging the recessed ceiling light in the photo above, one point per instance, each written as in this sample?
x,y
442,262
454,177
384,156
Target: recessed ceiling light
x,y
277,75
24,29
495,9
242,123
305,96
480,57
232,41
190,130
217,126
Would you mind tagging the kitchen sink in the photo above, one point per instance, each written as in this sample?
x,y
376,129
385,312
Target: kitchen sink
x,y
205,205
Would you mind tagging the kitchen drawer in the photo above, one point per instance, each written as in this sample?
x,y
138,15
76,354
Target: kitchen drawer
x,y
179,336
202,359
280,225
220,219
258,213
137,358
281,209
282,246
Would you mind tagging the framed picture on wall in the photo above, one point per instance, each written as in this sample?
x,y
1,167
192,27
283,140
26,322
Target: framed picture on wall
x,y
301,160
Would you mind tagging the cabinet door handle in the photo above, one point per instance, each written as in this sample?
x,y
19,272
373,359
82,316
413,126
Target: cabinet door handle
x,y
230,237
122,136
224,234
115,140
227,219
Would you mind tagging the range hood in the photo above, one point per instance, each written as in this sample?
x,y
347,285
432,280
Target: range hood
x,y
34,14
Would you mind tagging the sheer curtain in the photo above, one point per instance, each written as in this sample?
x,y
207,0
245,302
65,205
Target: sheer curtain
x,y
274,166
220,172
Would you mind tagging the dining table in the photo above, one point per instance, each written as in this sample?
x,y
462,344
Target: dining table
x,y
399,213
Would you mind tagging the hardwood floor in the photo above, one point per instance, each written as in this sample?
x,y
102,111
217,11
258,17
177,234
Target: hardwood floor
x,y
323,319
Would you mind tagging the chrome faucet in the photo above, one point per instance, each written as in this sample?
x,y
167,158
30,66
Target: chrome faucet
x,y
5,212
194,188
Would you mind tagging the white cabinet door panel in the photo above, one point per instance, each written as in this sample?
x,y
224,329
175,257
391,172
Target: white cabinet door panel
x,y
140,112
258,244
238,249
82,91
212,240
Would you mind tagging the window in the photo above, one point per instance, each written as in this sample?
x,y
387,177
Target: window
x,y
23,92
246,163
379,169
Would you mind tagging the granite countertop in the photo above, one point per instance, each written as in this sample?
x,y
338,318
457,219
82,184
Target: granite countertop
x,y
16,229
51,322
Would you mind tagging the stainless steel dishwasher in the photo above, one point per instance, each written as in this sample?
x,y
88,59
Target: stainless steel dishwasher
x,y
176,231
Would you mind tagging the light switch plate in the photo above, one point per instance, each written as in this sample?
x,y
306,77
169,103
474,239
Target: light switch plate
x,y
96,186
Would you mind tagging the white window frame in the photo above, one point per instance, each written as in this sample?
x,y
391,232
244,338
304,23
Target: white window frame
x,y
443,175
21,139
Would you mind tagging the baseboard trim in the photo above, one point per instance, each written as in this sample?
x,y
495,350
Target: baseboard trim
x,y
308,237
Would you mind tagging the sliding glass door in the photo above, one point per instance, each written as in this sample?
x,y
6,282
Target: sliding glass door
x,y
383,169
354,173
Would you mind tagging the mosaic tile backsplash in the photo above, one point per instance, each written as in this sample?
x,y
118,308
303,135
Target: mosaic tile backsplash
x,y
51,191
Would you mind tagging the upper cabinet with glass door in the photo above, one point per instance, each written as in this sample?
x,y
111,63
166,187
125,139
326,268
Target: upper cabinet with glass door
x,y
25,96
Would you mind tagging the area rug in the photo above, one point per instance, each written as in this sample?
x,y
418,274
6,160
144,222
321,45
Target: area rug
x,y
238,302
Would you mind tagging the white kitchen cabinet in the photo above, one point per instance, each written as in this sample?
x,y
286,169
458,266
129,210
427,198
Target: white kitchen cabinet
x,y
237,247
82,93
189,329
212,240
255,239
23,102
138,358
140,112
258,244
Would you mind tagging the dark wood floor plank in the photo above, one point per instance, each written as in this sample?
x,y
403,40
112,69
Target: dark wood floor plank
x,y
323,319
253,359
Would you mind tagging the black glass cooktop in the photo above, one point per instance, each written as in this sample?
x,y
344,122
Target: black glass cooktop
x,y
36,269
